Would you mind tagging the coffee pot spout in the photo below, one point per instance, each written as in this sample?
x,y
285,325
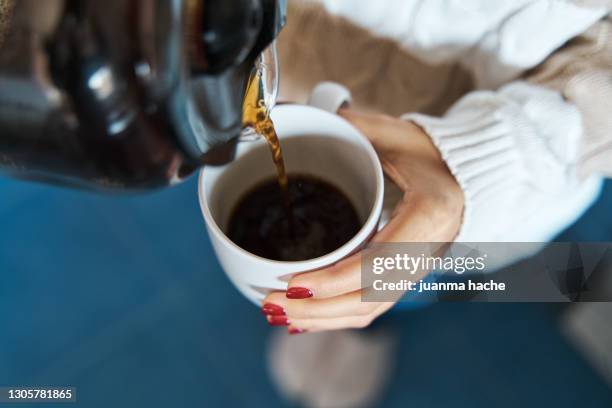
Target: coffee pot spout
x,y
221,67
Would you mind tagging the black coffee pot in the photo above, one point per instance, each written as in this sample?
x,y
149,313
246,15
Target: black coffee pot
x,y
126,94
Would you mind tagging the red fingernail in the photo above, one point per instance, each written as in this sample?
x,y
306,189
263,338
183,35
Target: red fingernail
x,y
272,310
299,293
278,321
295,330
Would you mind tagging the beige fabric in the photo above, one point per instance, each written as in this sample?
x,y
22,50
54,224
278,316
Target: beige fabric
x,y
331,369
316,46
582,72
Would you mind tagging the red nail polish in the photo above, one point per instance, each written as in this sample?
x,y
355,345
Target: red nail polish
x,y
278,321
272,310
299,293
295,330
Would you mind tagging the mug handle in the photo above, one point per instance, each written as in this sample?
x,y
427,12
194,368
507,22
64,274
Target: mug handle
x,y
331,97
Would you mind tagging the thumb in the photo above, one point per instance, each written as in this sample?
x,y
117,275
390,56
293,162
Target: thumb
x,y
391,135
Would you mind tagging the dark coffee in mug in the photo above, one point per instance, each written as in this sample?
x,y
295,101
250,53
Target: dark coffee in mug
x,y
311,219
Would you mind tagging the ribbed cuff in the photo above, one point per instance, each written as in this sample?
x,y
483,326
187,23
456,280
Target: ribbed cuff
x,y
513,152
480,150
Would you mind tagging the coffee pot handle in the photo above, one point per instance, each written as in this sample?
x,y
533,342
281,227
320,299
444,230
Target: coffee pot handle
x,y
331,97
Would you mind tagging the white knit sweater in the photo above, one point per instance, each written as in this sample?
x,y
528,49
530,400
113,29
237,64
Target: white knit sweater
x,y
512,146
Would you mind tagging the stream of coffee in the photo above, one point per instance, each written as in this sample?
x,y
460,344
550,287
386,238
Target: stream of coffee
x,y
255,114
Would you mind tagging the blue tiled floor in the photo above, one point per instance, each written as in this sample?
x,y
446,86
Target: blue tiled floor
x,y
122,298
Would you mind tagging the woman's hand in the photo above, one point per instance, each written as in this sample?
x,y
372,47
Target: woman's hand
x,y
430,211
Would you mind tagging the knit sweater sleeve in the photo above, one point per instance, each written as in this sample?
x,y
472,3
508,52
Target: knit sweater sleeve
x,y
514,154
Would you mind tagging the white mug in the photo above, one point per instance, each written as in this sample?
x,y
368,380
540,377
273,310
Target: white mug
x,y
316,142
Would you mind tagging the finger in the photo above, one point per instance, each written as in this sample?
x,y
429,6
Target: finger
x,y
338,323
343,277
375,126
390,135
339,306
